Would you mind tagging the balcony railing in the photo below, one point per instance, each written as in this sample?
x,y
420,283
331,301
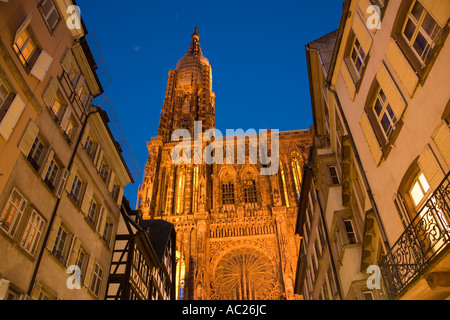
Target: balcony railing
x,y
424,239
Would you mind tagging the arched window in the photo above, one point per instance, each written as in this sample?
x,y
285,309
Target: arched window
x,y
250,195
284,184
296,168
228,189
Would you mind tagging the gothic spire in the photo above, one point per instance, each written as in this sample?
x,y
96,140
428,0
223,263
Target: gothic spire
x,y
195,44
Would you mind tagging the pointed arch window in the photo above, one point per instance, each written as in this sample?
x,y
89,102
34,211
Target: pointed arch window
x,y
228,190
250,195
296,168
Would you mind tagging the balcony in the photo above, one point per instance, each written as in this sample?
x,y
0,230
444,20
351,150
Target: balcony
x,y
422,243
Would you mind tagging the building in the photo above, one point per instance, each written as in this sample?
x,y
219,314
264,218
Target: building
x,y
63,173
381,111
163,239
234,224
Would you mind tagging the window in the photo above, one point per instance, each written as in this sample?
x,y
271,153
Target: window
x,y
104,171
75,191
115,192
4,93
92,213
61,244
35,154
384,114
250,191
334,175
419,190
96,280
51,175
33,233
358,58
50,14
13,212
107,232
89,147
81,261
69,129
421,32
367,295
348,225
25,47
228,193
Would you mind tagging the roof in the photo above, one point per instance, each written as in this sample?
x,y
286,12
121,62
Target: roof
x,y
326,45
160,233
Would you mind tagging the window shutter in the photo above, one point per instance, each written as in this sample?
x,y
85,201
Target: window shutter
x,y
65,119
99,158
28,138
61,184
11,117
442,140
371,139
439,10
52,238
42,65
4,287
87,199
74,252
50,93
36,290
402,68
50,155
111,181
85,136
119,199
80,83
90,268
391,91
72,175
348,79
101,221
362,34
67,60
431,168
401,209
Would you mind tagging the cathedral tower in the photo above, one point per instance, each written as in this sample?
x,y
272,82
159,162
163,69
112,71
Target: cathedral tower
x,y
235,226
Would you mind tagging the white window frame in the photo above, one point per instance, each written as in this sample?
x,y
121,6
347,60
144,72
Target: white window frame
x,y
33,233
386,111
96,281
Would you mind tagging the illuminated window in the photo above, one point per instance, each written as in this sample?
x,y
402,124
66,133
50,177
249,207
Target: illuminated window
x,y
419,190
180,193
283,180
32,233
25,47
196,190
180,275
297,173
13,212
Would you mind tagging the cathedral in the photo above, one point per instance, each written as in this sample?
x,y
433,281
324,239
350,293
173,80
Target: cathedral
x,y
235,227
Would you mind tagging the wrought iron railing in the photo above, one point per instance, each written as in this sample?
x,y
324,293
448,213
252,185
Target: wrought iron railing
x,y
426,237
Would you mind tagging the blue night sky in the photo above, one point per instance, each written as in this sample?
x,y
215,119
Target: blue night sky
x,y
256,50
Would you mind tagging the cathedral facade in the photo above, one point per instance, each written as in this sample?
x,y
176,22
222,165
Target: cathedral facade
x,y
235,225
